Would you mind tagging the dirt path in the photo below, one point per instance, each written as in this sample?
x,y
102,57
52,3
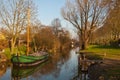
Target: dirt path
x,y
112,69
108,70
110,63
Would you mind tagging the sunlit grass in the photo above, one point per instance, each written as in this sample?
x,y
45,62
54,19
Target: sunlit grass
x,y
106,51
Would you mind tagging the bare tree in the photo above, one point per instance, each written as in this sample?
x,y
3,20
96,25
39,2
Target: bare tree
x,y
110,31
113,20
13,15
85,16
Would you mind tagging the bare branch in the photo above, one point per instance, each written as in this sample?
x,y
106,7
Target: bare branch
x,y
85,15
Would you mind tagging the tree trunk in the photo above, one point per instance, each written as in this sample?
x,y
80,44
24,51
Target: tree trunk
x,y
84,39
12,45
84,45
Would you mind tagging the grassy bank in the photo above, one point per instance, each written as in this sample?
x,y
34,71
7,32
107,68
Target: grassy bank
x,y
106,51
111,62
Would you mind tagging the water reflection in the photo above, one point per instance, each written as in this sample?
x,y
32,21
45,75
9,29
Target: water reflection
x,y
62,66
82,73
3,67
23,72
5,71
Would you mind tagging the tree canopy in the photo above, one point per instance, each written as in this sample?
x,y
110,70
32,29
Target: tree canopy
x,y
85,16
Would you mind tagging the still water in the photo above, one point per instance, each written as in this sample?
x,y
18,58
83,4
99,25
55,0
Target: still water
x,y
62,66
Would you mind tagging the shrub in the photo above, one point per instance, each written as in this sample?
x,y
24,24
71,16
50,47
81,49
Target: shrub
x,y
21,50
7,53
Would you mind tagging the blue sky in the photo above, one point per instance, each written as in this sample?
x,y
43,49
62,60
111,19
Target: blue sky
x,y
49,10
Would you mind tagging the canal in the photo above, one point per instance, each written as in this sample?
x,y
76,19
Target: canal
x,y
60,67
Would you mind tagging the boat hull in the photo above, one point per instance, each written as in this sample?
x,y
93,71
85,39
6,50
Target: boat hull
x,y
29,64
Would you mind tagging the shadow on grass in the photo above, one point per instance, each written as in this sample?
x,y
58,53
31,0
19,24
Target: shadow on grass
x,y
93,56
105,47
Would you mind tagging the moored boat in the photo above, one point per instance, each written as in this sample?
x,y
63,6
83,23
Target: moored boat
x,y
30,60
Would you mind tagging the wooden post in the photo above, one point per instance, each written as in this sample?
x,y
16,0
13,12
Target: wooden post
x,y
28,30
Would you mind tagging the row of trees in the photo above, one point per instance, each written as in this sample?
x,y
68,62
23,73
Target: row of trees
x,y
47,38
41,38
14,20
110,31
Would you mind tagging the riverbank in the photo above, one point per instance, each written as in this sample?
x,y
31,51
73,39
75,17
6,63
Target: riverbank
x,y
105,51
110,68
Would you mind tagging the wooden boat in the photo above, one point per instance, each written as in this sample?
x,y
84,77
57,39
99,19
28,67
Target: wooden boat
x,y
30,60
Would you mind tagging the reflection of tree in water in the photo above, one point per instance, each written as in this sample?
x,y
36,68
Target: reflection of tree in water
x,y
51,67
93,71
82,73
54,64
3,67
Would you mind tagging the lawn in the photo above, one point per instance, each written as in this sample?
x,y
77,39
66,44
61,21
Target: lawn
x,y
106,51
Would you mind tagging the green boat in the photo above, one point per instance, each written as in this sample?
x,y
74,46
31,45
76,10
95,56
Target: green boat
x,y
29,60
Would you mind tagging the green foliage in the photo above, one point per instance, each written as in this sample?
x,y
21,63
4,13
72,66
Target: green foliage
x,y
7,53
22,49
18,50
